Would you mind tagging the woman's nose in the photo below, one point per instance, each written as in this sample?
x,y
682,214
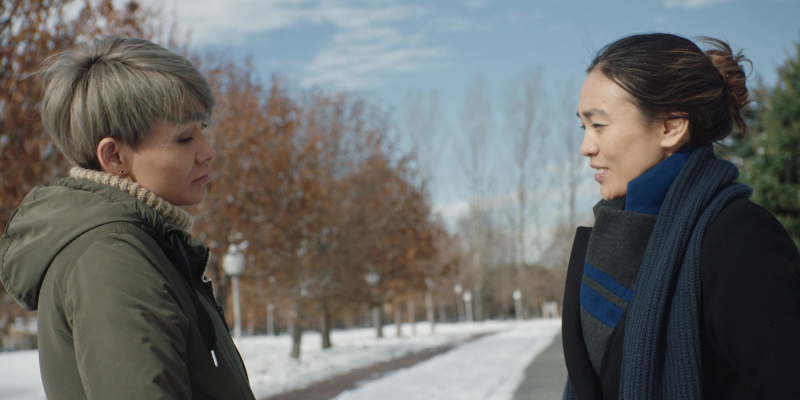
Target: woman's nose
x,y
588,145
207,153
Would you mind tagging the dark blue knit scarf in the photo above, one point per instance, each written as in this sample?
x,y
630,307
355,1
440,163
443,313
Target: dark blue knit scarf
x,y
661,347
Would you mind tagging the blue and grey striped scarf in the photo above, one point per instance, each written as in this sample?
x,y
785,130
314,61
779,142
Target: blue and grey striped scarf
x,y
661,347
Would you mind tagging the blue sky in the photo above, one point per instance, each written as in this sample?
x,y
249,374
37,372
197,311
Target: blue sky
x,y
382,49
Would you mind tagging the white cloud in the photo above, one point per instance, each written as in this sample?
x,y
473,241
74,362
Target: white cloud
x,y
355,64
452,211
372,36
692,4
229,22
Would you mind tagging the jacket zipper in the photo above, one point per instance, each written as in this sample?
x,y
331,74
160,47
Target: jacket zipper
x,y
207,280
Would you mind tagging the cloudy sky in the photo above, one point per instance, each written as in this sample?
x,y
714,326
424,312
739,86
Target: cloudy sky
x,y
383,49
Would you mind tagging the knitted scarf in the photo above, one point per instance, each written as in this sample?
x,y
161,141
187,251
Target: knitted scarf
x,y
171,213
661,347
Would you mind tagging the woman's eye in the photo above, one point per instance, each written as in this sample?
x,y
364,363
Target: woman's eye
x,y
597,126
185,140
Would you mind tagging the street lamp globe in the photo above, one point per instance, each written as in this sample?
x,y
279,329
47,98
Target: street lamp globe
x,y
429,283
372,278
233,262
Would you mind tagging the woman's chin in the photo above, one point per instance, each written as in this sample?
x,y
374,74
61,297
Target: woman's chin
x,y
188,201
611,195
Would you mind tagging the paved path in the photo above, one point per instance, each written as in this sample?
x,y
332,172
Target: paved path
x,y
519,364
330,388
545,376
490,368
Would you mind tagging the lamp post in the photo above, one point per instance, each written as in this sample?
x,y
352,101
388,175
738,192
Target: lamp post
x,y
233,264
457,289
271,319
468,304
271,309
373,279
518,304
429,303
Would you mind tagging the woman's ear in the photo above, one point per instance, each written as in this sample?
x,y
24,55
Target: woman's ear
x,y
675,134
109,154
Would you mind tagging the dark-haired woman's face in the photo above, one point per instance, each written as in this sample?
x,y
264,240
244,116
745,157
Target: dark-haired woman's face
x,y
619,143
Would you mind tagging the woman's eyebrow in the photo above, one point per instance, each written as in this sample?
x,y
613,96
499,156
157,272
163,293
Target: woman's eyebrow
x,y
589,113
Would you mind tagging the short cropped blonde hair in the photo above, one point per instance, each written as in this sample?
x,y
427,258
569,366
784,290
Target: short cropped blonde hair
x,y
118,88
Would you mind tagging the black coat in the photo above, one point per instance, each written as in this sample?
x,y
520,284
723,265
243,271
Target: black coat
x,y
750,310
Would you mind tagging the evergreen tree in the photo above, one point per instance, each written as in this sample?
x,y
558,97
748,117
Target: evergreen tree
x,y
774,170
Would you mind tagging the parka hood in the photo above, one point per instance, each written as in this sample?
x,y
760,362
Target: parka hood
x,y
51,217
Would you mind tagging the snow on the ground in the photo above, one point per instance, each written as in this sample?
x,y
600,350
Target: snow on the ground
x,y
271,370
19,376
489,368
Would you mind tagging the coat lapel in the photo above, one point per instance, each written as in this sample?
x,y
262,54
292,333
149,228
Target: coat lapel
x,y
584,380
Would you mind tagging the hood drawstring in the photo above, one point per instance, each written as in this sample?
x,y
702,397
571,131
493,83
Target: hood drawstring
x,y
204,322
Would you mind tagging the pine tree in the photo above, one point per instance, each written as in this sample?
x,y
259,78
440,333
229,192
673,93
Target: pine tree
x,y
775,168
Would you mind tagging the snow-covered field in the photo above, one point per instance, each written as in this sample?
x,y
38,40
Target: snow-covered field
x,y
494,363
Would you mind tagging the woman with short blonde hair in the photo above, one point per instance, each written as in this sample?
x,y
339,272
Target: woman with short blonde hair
x,y
125,310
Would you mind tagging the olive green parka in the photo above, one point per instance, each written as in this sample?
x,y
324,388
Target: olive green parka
x,y
125,311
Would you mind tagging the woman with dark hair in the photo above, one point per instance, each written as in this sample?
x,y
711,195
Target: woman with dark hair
x,y
684,288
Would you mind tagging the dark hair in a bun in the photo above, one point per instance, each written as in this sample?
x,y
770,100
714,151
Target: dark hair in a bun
x,y
670,76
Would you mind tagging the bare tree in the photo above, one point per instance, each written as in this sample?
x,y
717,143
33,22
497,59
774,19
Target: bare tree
x,y
568,139
476,122
524,106
422,118
571,138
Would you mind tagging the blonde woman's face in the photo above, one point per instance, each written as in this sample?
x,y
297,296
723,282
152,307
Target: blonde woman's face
x,y
619,144
173,163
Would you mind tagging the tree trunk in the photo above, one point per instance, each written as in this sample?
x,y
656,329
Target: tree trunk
x,y
297,331
326,324
477,301
377,319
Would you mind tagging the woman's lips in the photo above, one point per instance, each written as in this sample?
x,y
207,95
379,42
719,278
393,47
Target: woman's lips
x,y
601,172
203,179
